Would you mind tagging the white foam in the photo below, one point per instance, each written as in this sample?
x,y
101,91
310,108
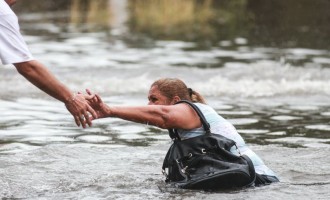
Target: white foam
x,y
303,107
241,41
284,118
94,138
321,60
225,43
46,139
325,113
300,140
175,44
252,131
243,121
83,40
16,148
302,51
131,136
278,133
321,127
222,112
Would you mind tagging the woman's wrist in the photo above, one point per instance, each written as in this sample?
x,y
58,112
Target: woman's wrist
x,y
109,111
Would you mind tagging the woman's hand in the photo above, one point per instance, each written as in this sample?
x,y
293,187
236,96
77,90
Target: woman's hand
x,y
95,101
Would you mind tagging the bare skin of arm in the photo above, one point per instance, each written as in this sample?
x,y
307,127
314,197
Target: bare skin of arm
x,y
163,116
10,2
42,78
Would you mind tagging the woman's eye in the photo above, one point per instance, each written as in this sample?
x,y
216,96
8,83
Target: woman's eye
x,y
154,99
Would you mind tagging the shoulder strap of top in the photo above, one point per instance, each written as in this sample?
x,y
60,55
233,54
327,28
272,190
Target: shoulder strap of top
x,y
174,134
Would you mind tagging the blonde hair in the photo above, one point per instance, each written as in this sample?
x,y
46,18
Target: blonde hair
x,y
171,87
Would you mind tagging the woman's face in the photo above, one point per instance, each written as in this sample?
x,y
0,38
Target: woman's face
x,y
156,98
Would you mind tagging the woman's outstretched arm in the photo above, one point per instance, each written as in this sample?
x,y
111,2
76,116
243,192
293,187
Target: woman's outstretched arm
x,y
163,116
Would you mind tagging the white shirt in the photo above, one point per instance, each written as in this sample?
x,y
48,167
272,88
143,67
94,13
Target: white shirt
x,y
13,48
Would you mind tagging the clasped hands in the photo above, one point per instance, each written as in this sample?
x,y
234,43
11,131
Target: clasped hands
x,y
86,107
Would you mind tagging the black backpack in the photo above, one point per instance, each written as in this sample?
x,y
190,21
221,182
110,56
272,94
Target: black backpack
x,y
205,162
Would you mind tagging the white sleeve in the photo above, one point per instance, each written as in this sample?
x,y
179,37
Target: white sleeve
x,y
13,48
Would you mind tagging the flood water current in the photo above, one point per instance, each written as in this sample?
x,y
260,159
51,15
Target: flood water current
x,y
263,65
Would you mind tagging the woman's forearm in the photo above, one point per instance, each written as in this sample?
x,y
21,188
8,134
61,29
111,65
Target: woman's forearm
x,y
159,116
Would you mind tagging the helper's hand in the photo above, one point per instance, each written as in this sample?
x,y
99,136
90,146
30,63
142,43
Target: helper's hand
x,y
80,109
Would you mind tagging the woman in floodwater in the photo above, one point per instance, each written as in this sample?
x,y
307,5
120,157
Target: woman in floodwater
x,y
164,113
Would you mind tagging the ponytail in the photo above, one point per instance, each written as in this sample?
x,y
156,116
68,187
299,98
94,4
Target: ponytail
x,y
196,97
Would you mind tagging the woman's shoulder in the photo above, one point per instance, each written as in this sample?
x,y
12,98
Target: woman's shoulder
x,y
210,113
204,107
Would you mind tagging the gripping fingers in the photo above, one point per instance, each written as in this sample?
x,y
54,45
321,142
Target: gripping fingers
x,y
88,92
87,118
76,119
92,111
82,121
99,98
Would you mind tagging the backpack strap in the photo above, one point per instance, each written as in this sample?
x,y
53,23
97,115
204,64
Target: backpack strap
x,y
173,132
252,170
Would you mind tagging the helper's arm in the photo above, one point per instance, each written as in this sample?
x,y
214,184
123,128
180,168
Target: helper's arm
x,y
42,78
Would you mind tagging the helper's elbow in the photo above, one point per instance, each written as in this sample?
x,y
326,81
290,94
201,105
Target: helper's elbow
x,y
25,68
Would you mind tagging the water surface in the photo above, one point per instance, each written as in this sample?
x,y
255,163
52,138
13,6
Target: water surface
x,y
268,75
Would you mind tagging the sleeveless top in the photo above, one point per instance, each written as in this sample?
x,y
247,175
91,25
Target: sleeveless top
x,y
221,126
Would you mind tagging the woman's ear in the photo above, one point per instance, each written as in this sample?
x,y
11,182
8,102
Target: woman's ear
x,y
176,99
